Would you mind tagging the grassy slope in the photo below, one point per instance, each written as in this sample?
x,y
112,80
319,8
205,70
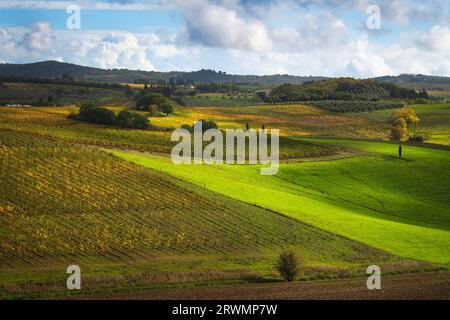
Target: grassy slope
x,y
63,203
291,120
434,118
398,206
52,122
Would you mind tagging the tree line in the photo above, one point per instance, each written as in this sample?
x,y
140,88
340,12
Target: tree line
x,y
127,119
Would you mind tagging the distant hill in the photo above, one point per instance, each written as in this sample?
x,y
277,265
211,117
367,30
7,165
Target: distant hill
x,y
414,78
342,89
55,69
418,81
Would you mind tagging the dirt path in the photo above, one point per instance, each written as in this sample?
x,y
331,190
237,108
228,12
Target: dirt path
x,y
412,286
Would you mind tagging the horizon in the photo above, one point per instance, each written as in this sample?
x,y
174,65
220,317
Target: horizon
x,y
239,37
224,72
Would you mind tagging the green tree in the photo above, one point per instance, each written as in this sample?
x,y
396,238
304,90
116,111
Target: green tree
x,y
288,264
151,99
128,119
152,109
166,108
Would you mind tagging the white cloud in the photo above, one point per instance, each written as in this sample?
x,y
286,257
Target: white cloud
x,y
100,49
39,37
315,32
436,40
215,25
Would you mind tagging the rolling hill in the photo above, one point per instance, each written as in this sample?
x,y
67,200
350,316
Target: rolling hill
x,y
55,69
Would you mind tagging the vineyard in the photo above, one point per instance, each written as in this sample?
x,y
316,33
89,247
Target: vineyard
x,y
62,202
52,122
354,106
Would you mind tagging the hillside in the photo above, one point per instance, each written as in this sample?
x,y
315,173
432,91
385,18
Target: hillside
x,y
418,81
345,94
126,226
55,69
400,206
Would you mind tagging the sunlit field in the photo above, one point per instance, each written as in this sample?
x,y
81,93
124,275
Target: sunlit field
x,y
400,206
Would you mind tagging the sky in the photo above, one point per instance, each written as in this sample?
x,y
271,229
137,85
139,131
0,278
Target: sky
x,y
358,38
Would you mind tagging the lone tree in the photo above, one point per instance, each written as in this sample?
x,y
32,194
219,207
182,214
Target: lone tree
x,y
288,264
399,129
410,117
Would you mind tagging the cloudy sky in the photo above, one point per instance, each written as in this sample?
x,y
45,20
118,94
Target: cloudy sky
x,y
299,37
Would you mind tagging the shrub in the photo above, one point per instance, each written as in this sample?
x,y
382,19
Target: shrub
x,y
421,136
288,264
152,109
91,113
134,120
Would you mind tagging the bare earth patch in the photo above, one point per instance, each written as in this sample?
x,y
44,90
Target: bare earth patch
x,y
411,286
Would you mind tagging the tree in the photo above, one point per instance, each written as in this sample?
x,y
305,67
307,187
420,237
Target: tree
x,y
166,108
288,264
152,109
134,120
149,99
410,117
262,95
399,129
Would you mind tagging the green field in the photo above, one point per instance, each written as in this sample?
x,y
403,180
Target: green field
x,y
434,118
400,206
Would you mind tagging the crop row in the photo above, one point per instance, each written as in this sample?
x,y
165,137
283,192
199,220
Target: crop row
x,y
59,200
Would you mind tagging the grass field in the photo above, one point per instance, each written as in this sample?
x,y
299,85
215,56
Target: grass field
x,y
435,118
400,206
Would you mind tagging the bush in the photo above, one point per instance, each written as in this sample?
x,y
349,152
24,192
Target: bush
x,y
166,108
421,137
91,113
132,120
153,109
288,264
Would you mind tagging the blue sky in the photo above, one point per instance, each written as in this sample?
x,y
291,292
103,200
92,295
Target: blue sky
x,y
301,37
